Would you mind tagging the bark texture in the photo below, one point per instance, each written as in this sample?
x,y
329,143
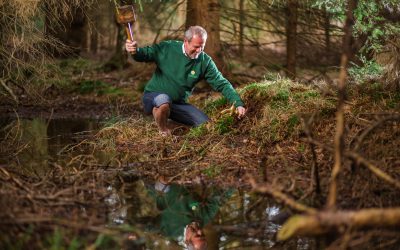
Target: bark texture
x,y
206,13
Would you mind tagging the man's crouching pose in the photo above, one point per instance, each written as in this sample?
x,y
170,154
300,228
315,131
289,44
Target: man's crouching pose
x,y
180,65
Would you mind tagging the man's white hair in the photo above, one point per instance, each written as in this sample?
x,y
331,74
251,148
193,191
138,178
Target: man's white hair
x,y
195,30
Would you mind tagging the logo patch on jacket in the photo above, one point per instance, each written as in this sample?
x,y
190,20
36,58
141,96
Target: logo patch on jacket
x,y
192,74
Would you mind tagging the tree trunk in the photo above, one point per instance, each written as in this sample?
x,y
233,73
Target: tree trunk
x,y
120,57
195,13
94,41
241,27
206,13
291,38
327,31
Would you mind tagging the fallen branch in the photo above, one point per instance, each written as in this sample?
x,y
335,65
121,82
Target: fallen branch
x,y
375,170
377,124
266,188
328,221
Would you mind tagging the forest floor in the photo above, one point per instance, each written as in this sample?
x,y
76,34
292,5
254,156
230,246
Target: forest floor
x,y
285,141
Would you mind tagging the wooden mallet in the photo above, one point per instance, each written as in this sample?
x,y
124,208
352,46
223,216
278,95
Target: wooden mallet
x,y
126,16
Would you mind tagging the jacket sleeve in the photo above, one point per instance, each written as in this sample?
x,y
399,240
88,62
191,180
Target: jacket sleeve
x,y
219,83
147,54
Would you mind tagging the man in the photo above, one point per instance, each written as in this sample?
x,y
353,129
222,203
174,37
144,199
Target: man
x,y
179,67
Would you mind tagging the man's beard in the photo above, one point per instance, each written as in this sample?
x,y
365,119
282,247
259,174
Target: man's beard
x,y
194,55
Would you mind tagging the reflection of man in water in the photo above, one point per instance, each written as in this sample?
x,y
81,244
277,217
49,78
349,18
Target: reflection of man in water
x,y
185,213
193,236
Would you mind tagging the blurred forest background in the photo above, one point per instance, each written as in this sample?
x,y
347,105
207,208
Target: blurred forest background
x,y
249,39
320,79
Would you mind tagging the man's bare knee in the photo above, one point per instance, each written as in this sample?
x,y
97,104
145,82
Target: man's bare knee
x,y
163,110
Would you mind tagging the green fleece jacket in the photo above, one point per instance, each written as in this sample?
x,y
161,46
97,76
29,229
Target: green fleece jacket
x,y
176,74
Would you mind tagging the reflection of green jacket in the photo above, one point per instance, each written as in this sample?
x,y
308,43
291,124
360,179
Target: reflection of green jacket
x,y
179,207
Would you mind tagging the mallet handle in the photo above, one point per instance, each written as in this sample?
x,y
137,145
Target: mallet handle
x,y
129,31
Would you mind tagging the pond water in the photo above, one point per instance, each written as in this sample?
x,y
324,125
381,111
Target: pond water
x,y
42,140
233,218
229,218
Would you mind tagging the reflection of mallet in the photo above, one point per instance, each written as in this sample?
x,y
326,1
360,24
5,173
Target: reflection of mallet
x,y
126,15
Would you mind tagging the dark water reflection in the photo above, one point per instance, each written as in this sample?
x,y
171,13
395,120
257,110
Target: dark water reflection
x,y
237,219
40,140
241,219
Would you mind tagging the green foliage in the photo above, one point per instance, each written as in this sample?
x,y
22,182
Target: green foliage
x,y
278,105
282,95
335,8
292,122
224,124
55,240
368,20
212,106
281,99
368,71
75,244
197,131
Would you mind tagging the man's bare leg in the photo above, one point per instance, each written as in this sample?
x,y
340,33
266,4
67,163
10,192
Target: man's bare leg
x,y
161,115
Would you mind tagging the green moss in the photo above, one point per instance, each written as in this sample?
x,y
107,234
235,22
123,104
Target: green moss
x,y
292,123
214,105
197,131
282,95
224,124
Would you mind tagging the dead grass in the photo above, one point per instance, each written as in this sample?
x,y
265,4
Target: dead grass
x,y
270,144
25,42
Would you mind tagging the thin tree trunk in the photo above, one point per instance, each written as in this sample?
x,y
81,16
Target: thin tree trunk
x,y
291,38
241,27
327,25
339,136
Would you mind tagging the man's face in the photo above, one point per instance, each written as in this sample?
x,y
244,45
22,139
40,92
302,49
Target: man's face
x,y
195,46
195,237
